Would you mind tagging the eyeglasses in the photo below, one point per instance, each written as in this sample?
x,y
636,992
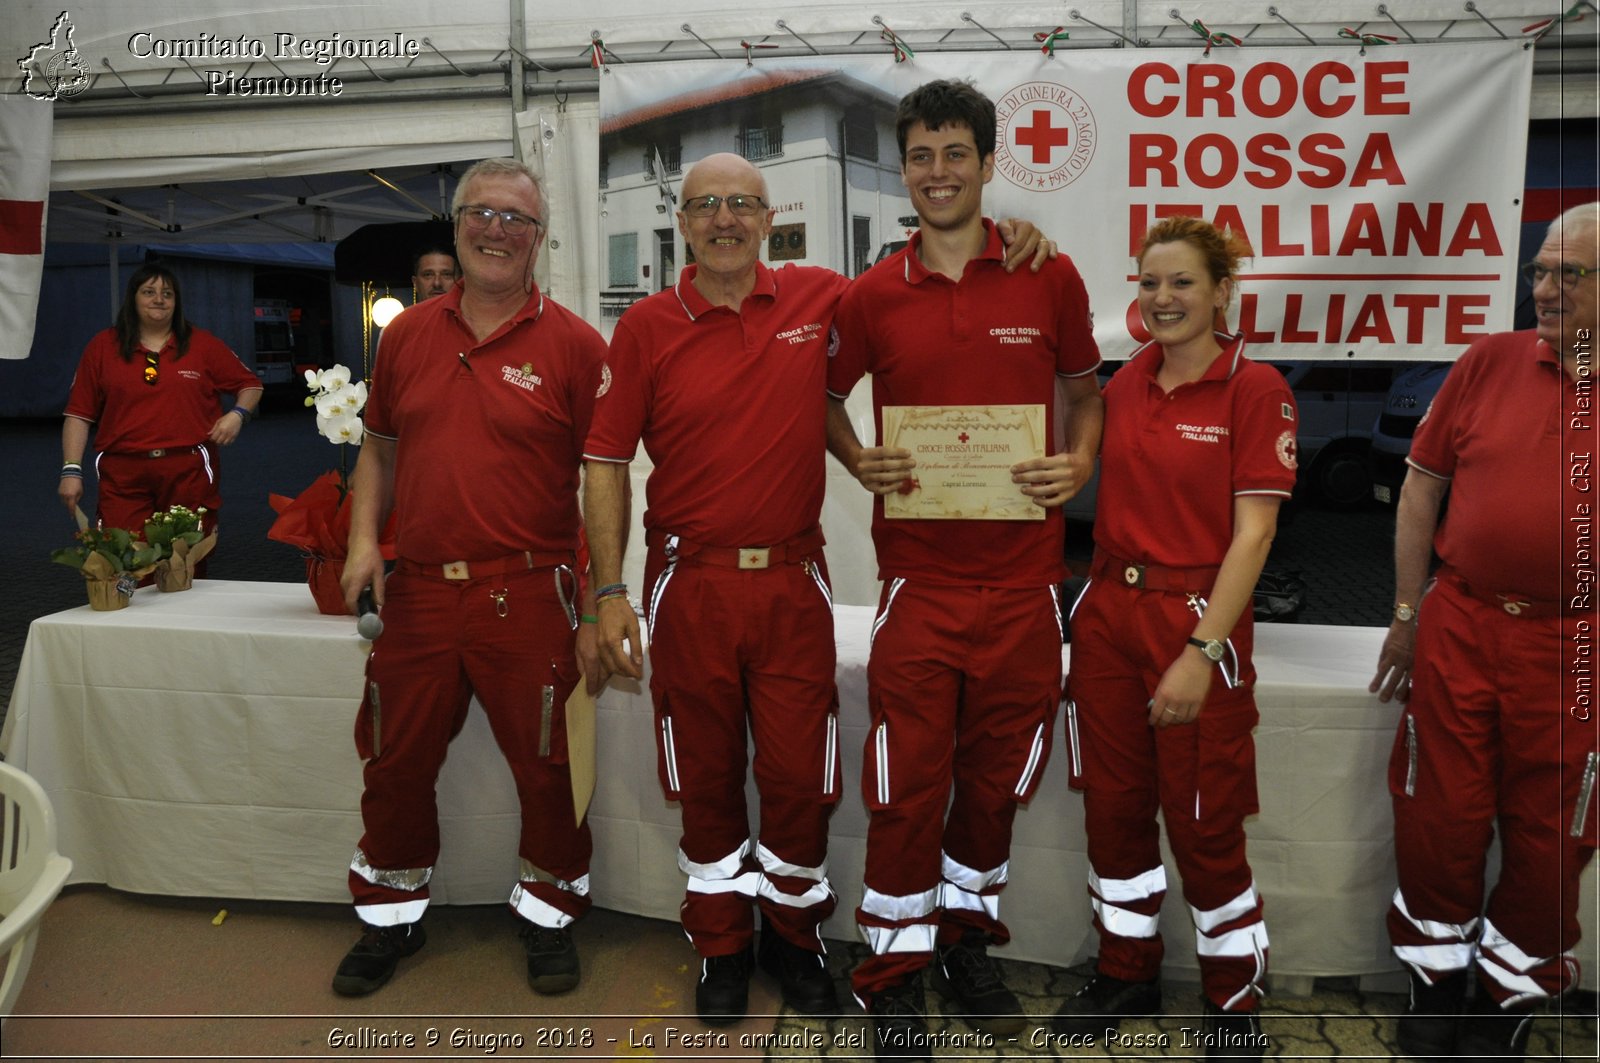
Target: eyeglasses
x,y
511,223
152,367
1567,275
707,206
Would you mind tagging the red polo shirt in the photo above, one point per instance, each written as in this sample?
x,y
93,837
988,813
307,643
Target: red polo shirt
x,y
729,405
488,448
995,338
1171,463
178,410
1495,432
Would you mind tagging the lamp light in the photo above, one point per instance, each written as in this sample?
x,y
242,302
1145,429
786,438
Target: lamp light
x,y
386,310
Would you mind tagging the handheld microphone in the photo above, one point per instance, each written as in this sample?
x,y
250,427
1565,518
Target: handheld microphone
x,y
369,625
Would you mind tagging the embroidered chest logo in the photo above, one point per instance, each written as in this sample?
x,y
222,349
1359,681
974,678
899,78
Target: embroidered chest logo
x,y
189,374
804,334
1016,334
523,376
1203,433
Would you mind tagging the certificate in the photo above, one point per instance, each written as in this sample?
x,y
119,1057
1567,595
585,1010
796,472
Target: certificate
x,y
964,456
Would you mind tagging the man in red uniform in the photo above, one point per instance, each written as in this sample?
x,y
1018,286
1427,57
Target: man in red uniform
x,y
1491,658
722,379
714,376
480,402
965,670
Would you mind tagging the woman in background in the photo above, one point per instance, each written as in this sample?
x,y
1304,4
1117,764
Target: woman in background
x,y
149,389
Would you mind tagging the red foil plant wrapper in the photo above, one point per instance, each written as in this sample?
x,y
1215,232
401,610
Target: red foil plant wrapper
x,y
317,520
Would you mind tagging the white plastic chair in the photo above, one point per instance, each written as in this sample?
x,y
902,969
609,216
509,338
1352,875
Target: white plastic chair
x,y
31,874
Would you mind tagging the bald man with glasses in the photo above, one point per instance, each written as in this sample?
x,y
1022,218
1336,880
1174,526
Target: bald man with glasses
x,y
721,378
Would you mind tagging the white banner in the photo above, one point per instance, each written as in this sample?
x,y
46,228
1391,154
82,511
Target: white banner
x,y
25,126
1380,191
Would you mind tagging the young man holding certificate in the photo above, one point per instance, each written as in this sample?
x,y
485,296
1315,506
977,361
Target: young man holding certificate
x,y
965,673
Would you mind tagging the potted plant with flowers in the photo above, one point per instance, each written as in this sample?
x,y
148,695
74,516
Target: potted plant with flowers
x,y
112,562
318,519
179,535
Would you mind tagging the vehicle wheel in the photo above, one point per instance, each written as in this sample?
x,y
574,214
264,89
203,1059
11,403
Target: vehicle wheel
x,y
1342,478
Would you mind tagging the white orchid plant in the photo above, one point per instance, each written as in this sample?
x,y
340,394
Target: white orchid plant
x,y
338,402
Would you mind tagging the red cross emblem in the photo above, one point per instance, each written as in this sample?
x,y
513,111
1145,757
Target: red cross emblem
x,y
1042,137
963,437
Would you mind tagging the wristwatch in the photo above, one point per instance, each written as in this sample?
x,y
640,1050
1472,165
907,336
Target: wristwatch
x,y
1210,647
1405,612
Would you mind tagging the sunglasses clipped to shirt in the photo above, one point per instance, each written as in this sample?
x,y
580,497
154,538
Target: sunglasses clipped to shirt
x,y
152,367
707,206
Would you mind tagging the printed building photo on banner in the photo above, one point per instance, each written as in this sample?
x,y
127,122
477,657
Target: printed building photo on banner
x,y
1356,177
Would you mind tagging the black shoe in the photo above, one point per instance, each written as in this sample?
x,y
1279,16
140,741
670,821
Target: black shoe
x,y
900,1022
723,995
1431,1025
1233,1034
1104,1003
552,958
802,974
371,962
1489,1031
967,974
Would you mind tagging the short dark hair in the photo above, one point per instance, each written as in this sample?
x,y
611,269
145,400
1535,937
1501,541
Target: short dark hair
x,y
433,249
947,103
128,315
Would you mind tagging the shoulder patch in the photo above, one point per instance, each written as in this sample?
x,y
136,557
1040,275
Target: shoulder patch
x,y
1287,450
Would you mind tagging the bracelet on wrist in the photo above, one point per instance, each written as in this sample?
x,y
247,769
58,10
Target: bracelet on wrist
x,y
587,619
244,414
72,470
612,590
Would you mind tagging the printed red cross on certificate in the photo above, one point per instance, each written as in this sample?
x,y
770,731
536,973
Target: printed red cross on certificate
x,y
963,437
1042,137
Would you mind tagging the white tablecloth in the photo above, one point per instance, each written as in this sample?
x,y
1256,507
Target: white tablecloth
x,y
200,744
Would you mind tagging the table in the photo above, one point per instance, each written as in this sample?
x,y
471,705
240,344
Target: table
x,y
200,744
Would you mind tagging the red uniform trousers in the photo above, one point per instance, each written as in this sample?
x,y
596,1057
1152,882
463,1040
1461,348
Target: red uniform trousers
x,y
737,654
962,685
133,486
1492,734
1202,777
507,639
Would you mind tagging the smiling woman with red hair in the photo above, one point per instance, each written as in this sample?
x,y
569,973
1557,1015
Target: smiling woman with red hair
x,y
1197,455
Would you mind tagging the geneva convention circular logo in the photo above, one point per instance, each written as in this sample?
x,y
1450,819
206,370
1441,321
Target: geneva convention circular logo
x,y
1046,136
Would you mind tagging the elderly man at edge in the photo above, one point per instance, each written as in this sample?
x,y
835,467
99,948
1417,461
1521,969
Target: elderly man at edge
x,y
1494,734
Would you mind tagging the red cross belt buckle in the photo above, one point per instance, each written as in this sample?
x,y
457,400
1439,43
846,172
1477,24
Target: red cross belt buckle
x,y
1133,575
754,556
456,570
1513,606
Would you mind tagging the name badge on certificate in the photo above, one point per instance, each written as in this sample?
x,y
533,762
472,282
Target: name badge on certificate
x,y
964,456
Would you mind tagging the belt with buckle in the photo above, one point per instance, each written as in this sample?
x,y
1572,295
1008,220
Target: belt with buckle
x,y
790,552
159,452
1152,577
1510,604
463,570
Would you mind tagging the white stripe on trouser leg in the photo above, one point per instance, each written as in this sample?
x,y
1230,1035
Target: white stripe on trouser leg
x,y
1447,954
1244,942
1055,608
962,888
1508,965
538,911
1035,754
917,937
721,876
771,865
669,753
205,460
830,754
1109,894
1207,921
406,880
880,752
888,603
